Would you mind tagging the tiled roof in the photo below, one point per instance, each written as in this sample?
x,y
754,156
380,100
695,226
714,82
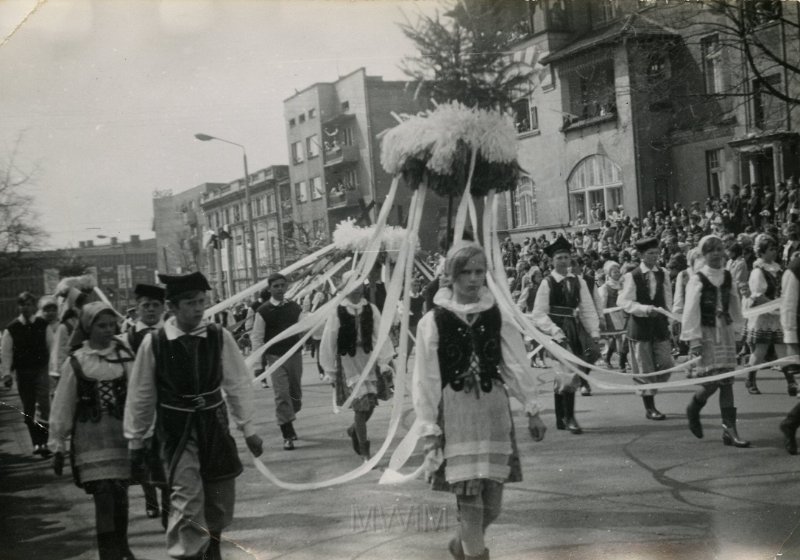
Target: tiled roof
x,y
630,26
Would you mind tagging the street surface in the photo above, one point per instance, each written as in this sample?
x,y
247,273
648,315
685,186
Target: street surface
x,y
627,489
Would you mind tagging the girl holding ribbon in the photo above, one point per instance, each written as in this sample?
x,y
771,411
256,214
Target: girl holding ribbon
x,y
348,340
613,323
765,330
468,360
712,319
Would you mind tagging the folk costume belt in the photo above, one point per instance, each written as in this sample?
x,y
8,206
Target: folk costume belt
x,y
194,403
559,311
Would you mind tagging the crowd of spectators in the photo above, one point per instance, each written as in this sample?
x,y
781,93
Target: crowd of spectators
x,y
738,217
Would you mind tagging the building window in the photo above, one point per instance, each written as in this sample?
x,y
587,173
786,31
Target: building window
x,y
345,105
591,92
526,116
525,203
270,202
595,189
767,109
350,179
603,11
312,146
302,118
315,184
657,66
237,213
711,54
714,172
347,136
301,191
319,230
291,123
312,113
297,152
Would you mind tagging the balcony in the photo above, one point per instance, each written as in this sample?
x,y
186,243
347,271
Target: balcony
x,y
343,199
338,155
590,115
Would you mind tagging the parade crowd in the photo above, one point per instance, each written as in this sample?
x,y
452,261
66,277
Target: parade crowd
x,y
148,400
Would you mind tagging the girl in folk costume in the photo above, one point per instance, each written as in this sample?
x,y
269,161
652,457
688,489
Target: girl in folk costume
x,y
564,310
468,359
612,324
347,342
790,318
88,405
711,321
765,330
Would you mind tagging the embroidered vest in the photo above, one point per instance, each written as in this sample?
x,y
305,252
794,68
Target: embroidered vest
x,y
96,396
458,342
347,339
708,300
773,290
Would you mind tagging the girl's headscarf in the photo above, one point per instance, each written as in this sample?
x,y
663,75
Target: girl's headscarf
x,y
89,314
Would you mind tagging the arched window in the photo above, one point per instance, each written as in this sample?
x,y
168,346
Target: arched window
x,y
525,203
595,189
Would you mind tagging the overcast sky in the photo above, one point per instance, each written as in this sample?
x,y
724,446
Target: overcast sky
x,y
107,96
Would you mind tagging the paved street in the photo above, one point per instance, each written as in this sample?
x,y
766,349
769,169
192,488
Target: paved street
x,y
628,488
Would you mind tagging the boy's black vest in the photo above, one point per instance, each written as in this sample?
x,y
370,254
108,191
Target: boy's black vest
x,y
649,329
29,344
188,377
347,339
276,320
458,341
135,337
563,302
708,300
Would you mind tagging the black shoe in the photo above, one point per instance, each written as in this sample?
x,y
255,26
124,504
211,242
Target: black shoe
x,y
456,549
693,414
792,389
752,389
351,431
152,512
789,441
653,414
288,444
586,391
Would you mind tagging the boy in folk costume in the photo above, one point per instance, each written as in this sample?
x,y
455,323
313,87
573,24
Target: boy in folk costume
x,y
184,376
563,305
347,342
150,318
272,318
712,320
790,318
643,290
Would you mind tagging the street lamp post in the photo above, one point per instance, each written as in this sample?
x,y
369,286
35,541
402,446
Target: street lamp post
x,y
251,235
